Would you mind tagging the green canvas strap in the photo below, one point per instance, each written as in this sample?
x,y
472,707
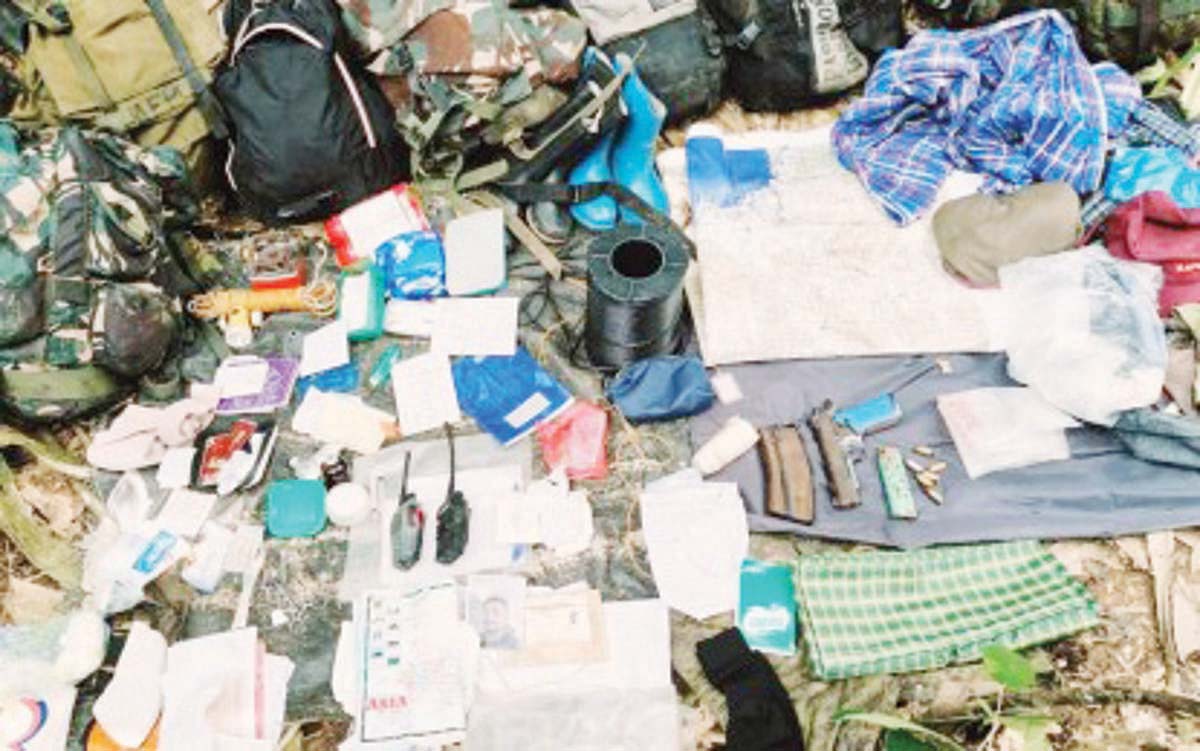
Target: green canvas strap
x,y
87,72
496,170
205,100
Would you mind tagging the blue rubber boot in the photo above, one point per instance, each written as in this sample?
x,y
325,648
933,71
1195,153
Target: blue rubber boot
x,y
600,213
633,153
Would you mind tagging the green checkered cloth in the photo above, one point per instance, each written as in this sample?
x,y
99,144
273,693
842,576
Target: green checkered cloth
x,y
896,612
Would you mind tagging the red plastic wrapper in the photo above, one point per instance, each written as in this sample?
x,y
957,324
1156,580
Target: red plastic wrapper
x,y
577,441
358,231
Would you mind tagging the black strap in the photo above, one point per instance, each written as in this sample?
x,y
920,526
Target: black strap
x,y
209,106
1147,27
571,194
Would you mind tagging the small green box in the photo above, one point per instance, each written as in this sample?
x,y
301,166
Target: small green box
x,y
295,508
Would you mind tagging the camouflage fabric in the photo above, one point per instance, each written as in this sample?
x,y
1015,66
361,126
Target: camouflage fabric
x,y
476,44
1107,28
83,221
454,69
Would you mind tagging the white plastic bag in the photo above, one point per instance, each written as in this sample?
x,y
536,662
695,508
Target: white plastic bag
x,y
1083,329
1004,428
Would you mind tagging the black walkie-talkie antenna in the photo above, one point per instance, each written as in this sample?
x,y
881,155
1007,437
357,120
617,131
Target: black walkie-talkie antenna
x,y
404,480
450,438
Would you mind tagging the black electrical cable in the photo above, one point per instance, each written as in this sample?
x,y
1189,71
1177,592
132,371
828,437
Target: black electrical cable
x,y
635,302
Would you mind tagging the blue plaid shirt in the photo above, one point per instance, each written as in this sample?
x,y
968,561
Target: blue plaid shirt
x,y
1016,101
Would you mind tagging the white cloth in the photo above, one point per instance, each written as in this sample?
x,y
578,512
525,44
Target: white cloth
x,y
810,267
696,538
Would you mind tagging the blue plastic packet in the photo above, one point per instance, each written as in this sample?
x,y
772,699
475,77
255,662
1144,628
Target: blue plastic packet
x,y
413,266
508,396
721,177
343,379
662,388
867,417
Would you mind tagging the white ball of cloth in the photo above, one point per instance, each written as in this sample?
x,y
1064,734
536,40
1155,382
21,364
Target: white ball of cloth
x,y
347,504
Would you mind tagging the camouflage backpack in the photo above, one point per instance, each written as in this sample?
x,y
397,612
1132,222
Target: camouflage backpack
x,y
1129,32
467,76
140,68
83,261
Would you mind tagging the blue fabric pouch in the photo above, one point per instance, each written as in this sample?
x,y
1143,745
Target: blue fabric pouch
x,y
662,388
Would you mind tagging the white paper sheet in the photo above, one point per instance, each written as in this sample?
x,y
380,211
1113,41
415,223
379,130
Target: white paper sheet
x,y
624,701
562,522
185,512
223,691
327,347
175,469
474,245
425,395
725,386
130,705
413,667
696,539
244,549
476,326
375,220
409,318
242,375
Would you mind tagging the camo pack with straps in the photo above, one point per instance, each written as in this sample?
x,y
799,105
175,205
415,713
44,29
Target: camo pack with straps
x,y
141,68
83,263
465,74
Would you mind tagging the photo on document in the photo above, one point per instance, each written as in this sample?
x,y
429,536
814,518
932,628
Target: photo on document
x,y
496,610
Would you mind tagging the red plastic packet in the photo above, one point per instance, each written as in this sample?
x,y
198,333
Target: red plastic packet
x,y
359,230
577,441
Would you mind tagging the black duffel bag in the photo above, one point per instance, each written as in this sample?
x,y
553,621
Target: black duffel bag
x,y
311,132
783,54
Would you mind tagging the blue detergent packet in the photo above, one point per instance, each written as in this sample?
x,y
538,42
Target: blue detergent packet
x,y
413,266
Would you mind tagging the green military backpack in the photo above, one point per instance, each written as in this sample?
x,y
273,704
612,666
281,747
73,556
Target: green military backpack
x,y
83,264
1129,32
140,68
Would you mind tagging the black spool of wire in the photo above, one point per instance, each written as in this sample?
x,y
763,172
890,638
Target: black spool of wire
x,y
635,299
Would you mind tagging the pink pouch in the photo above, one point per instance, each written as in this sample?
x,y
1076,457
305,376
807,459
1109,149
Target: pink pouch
x,y
1153,229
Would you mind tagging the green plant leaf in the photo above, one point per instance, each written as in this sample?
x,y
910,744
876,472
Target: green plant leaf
x,y
1008,668
892,722
902,740
1034,730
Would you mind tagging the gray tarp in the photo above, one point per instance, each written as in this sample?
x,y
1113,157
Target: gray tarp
x,y
1101,491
